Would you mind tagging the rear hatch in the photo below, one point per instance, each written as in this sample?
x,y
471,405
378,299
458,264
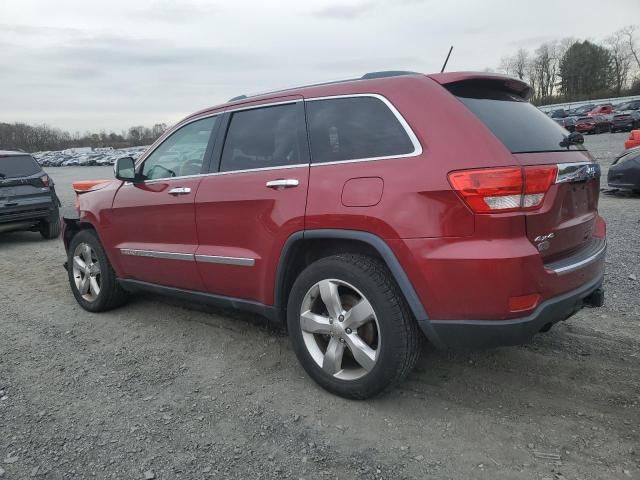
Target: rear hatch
x,y
563,221
22,182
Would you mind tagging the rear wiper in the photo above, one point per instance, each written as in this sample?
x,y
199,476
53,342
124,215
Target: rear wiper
x,y
574,138
2,175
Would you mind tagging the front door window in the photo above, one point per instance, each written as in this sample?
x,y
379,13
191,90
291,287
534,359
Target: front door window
x,y
181,154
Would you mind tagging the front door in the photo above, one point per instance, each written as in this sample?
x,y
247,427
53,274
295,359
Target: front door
x,y
154,219
248,208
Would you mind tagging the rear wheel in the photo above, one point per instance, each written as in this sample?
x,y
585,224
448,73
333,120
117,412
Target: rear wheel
x,y
50,227
91,277
350,327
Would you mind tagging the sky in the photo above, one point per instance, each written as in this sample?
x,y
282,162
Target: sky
x,y
94,65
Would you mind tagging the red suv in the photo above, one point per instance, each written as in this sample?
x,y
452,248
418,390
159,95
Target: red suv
x,y
361,214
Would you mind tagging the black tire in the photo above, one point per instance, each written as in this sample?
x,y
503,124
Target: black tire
x,y
400,338
111,294
50,228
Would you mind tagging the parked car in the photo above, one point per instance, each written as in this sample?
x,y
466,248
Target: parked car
x,y
632,105
352,213
592,124
28,199
559,113
569,123
582,110
624,172
625,121
606,109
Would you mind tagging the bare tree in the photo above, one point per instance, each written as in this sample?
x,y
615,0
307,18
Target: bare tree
x,y
516,65
621,59
546,63
629,32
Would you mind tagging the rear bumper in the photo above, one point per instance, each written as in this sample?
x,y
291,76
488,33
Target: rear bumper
x,y
30,212
465,334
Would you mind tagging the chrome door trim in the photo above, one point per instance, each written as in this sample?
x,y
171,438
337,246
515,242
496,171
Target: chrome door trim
x,y
156,254
178,126
212,174
577,172
241,261
417,146
270,104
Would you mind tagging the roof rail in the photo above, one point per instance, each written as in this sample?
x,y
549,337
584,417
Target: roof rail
x,y
386,73
366,76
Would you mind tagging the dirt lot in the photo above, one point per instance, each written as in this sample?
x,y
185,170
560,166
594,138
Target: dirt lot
x,y
156,389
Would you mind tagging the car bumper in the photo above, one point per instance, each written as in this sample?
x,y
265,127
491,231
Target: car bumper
x,y
25,213
467,334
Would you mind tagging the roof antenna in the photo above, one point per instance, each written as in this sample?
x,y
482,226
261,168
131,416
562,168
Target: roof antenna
x,y
447,59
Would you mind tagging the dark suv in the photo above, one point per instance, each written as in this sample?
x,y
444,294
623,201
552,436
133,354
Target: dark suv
x,y
28,199
362,214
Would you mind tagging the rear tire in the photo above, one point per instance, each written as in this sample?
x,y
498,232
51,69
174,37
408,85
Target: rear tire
x,y
363,342
91,277
50,228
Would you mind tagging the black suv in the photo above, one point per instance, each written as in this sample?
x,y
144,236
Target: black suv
x,y
28,200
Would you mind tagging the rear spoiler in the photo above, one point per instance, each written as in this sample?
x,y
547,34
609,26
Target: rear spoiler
x,y
492,80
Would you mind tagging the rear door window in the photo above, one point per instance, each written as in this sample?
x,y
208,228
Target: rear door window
x,y
265,137
353,128
15,166
520,126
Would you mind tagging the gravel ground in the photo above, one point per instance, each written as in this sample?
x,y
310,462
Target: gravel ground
x,y
157,389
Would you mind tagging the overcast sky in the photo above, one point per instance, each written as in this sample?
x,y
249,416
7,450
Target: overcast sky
x,y
89,65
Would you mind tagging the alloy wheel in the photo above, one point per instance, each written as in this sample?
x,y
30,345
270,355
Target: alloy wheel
x,y
340,329
86,272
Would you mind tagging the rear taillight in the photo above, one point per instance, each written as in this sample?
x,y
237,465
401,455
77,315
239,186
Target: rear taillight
x,y
45,180
508,189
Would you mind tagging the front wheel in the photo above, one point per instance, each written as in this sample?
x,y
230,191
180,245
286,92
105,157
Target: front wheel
x,y
91,277
350,326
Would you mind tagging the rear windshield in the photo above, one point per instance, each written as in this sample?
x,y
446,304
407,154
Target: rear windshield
x,y
520,126
18,166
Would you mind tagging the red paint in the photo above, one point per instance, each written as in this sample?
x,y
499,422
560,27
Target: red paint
x,y
462,264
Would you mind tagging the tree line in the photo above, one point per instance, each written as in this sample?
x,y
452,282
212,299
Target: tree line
x,y
572,70
34,138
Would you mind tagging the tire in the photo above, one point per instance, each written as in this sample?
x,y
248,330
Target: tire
x,y
108,294
390,335
50,228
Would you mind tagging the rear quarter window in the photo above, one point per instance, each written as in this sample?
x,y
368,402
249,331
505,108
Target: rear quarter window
x,y
520,126
15,166
354,128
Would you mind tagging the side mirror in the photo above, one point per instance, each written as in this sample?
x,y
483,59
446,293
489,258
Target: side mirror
x,y
125,169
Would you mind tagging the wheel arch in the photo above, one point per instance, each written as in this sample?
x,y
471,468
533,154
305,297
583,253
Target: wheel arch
x,y
302,248
71,226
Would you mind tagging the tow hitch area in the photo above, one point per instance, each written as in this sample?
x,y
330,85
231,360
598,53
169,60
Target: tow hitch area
x,y
595,298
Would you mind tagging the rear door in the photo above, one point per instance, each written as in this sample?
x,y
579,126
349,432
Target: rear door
x,y
567,217
153,221
254,199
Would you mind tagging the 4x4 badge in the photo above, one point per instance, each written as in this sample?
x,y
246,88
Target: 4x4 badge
x,y
542,238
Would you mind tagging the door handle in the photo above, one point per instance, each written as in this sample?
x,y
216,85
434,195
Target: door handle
x,y
180,191
283,183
